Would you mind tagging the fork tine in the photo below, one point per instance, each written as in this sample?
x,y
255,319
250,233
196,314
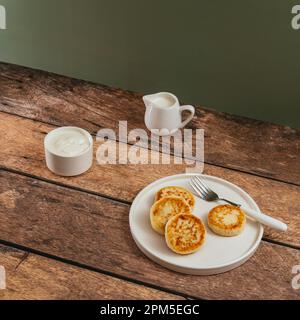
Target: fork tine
x,y
199,187
204,190
207,189
196,189
197,193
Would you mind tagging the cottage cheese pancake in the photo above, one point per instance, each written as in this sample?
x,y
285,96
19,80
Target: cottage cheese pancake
x,y
178,192
227,220
185,233
163,209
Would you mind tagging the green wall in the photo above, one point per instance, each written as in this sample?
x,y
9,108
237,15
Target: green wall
x,y
236,56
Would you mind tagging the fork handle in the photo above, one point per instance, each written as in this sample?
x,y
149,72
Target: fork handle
x,y
262,218
266,220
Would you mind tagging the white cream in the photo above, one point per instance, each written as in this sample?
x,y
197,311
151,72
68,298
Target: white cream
x,y
68,142
164,101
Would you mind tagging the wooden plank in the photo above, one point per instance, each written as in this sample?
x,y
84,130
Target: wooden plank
x,y
235,142
33,277
23,151
95,231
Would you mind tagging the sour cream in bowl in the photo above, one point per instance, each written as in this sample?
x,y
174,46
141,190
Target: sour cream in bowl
x,y
68,151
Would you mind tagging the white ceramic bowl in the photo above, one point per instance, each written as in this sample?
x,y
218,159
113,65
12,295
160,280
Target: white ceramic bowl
x,y
71,164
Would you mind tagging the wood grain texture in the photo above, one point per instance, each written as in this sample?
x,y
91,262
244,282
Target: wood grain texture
x,y
95,231
235,142
33,277
23,151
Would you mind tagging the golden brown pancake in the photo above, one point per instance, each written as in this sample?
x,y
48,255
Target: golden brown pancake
x,y
178,192
227,220
165,208
185,233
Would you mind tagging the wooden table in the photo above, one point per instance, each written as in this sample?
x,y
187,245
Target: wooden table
x,y
64,238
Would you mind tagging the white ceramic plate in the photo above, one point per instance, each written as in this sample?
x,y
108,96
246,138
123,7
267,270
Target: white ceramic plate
x,y
218,254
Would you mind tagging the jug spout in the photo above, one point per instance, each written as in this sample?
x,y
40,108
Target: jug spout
x,y
161,99
149,99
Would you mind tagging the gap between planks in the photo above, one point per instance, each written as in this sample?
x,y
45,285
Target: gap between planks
x,y
116,200
27,251
160,151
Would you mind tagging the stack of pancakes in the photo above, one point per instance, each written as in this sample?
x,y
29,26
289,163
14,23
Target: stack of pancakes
x,y
171,215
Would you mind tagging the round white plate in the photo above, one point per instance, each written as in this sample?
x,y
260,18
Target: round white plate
x,y
218,254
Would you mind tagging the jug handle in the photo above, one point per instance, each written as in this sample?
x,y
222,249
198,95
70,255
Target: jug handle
x,y
191,109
